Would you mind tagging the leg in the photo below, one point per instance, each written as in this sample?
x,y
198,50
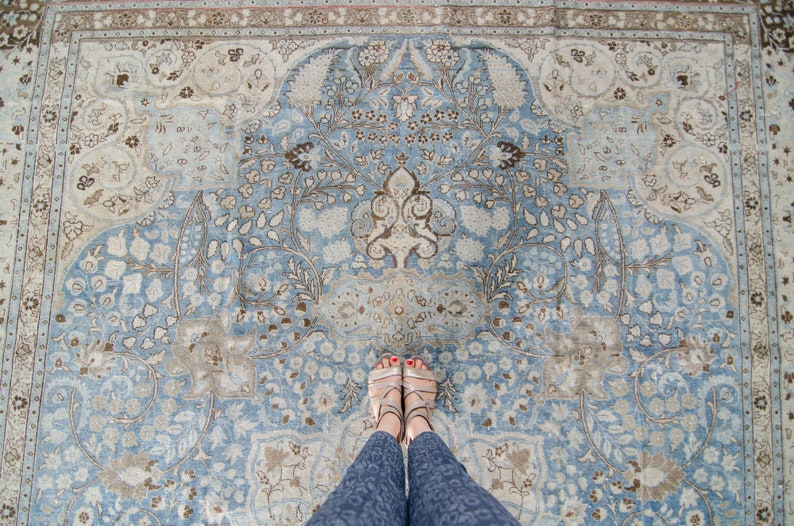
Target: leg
x,y
373,488
440,492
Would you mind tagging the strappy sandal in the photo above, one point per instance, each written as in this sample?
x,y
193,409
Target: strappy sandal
x,y
377,382
427,394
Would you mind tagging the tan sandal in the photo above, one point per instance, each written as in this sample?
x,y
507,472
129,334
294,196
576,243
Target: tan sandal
x,y
378,382
427,394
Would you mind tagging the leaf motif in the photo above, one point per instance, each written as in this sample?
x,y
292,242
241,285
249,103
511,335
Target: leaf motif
x,y
156,358
185,416
237,245
637,356
726,241
447,392
421,65
326,274
277,219
607,416
503,239
212,248
350,394
304,241
284,142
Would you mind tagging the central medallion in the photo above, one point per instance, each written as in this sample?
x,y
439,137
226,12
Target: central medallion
x,y
402,219
402,308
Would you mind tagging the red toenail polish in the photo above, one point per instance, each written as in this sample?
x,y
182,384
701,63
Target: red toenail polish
x,y
395,359
409,362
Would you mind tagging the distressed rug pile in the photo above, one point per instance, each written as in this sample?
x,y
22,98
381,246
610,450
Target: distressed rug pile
x,y
215,216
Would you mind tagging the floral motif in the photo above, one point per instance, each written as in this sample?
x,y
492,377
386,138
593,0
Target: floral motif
x,y
441,52
506,155
307,84
514,469
401,310
405,106
773,17
399,223
696,358
376,52
581,358
95,359
19,24
217,361
509,89
300,156
653,477
131,476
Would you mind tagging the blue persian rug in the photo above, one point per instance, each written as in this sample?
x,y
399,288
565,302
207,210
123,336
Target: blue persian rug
x,y
215,219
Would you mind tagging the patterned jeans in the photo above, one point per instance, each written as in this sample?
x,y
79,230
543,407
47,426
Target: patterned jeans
x,y
372,492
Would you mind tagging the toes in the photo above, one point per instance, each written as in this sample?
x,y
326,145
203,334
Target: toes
x,y
384,362
416,363
387,361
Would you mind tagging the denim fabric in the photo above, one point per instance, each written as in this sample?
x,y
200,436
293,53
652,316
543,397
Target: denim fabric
x,y
372,492
442,493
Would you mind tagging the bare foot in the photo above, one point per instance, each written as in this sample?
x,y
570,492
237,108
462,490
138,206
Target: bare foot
x,y
389,422
417,389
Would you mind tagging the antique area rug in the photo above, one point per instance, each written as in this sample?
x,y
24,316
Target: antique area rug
x,y
215,217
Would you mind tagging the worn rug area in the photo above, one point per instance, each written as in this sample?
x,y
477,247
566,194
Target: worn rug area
x,y
216,216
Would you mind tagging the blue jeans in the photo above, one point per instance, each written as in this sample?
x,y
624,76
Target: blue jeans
x,y
372,492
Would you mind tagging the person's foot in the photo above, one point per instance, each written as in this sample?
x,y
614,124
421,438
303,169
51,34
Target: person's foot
x,y
419,392
385,395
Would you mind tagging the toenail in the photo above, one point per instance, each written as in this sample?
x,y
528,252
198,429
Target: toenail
x,y
395,359
409,362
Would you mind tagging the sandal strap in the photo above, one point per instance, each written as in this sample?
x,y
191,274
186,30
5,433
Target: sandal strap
x,y
421,374
418,409
418,406
420,391
376,375
387,405
382,407
385,388
384,384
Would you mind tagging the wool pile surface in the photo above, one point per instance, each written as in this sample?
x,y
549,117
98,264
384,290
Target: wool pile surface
x,y
215,217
